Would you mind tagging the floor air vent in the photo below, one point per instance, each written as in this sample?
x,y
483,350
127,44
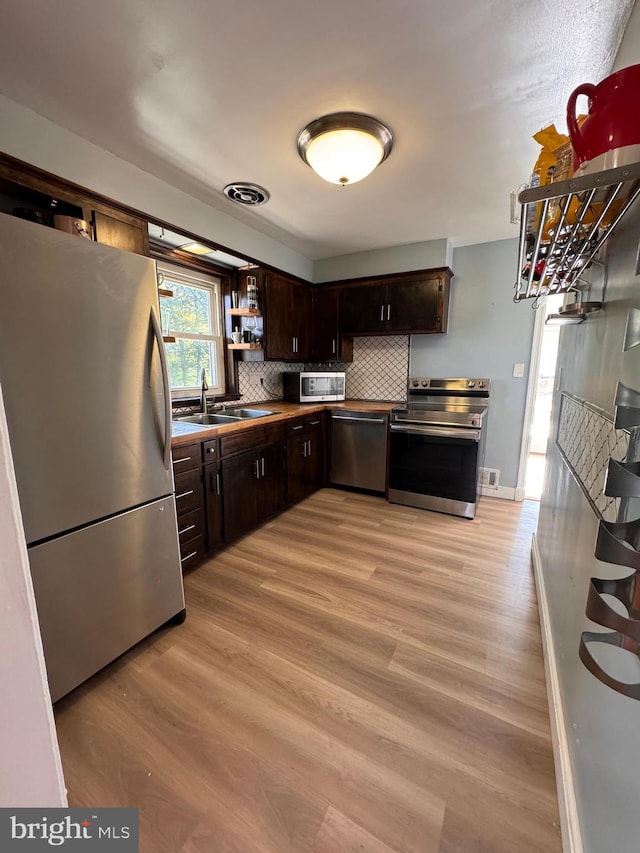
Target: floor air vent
x,y
490,478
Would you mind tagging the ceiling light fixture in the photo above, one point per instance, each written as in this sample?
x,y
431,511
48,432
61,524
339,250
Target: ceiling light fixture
x,y
344,148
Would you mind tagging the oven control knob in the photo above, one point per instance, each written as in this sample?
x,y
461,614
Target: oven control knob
x,y
425,383
480,384
471,383
415,383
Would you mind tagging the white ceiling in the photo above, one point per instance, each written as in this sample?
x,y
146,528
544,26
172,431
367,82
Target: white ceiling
x,y
204,92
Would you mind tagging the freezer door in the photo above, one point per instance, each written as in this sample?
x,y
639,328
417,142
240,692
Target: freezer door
x,y
81,378
103,588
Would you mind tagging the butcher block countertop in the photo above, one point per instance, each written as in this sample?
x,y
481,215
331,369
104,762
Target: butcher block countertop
x,y
186,433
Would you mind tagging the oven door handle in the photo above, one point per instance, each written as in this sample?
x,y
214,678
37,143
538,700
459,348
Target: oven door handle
x,y
437,432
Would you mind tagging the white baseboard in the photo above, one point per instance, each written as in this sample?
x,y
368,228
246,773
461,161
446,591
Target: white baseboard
x,y
567,805
520,493
507,493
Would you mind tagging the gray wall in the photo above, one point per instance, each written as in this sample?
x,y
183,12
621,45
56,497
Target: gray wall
x,y
412,256
601,725
488,333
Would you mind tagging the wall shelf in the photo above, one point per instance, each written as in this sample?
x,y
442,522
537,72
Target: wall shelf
x,y
169,339
571,222
243,312
244,346
162,291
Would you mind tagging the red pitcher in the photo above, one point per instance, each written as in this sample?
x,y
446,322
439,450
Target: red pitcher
x,y
610,135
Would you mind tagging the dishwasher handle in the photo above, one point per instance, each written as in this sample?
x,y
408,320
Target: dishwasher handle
x,y
366,420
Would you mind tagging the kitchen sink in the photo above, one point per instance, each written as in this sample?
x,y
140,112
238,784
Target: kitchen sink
x,y
249,413
208,420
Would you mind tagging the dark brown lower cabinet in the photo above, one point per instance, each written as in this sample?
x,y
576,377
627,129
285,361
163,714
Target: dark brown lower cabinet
x,y
305,457
254,489
272,486
239,478
227,487
213,503
190,513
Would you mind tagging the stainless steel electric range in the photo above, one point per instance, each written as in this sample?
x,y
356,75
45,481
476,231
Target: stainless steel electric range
x,y
437,445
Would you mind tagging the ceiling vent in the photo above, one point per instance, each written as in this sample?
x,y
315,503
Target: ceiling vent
x,y
250,194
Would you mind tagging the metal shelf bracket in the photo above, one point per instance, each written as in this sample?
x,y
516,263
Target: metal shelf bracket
x,y
552,259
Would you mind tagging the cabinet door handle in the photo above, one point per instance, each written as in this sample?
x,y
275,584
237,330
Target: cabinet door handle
x,y
186,529
215,488
333,346
211,450
257,464
184,495
184,459
314,423
217,484
304,449
262,465
381,313
309,453
301,426
389,311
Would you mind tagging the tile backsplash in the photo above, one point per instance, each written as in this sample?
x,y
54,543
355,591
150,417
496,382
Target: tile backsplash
x,y
379,371
380,368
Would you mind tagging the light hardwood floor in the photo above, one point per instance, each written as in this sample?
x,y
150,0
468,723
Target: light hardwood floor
x,y
354,676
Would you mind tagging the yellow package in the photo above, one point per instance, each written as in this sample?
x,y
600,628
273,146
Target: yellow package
x,y
544,169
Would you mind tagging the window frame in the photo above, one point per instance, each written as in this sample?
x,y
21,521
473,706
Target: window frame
x,y
168,272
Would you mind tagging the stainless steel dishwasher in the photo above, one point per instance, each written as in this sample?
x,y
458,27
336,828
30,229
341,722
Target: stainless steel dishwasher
x,y
359,450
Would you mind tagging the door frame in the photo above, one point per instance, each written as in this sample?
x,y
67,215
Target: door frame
x,y
532,387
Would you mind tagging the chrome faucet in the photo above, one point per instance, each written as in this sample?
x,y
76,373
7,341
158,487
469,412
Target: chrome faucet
x,y
203,395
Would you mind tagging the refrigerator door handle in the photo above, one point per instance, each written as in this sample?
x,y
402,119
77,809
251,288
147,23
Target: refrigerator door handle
x,y
157,331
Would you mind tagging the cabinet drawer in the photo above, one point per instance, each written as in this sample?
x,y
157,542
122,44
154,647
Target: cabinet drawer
x,y
295,426
189,492
313,422
248,439
210,451
190,525
186,458
192,551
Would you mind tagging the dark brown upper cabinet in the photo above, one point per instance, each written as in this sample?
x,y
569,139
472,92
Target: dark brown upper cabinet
x,y
287,312
117,229
328,344
411,303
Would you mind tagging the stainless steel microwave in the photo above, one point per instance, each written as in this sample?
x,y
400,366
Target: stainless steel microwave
x,y
313,387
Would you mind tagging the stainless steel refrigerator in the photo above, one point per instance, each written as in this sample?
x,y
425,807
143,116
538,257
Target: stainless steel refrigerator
x,y
87,399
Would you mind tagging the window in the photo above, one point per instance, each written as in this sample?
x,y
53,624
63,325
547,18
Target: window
x,y
192,316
